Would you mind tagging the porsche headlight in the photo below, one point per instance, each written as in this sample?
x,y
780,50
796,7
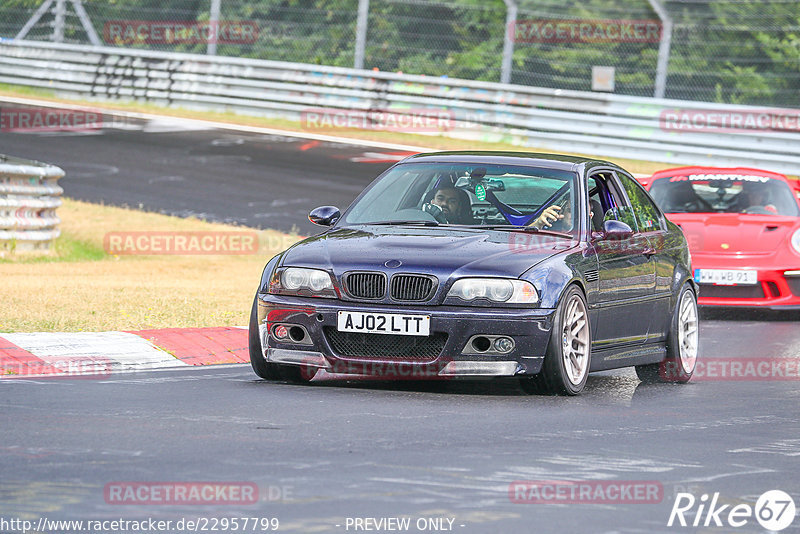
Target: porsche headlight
x,y
302,281
494,290
796,241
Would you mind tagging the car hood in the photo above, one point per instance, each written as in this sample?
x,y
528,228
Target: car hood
x,y
735,233
439,251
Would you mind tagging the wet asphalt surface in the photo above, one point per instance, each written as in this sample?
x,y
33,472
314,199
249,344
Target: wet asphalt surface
x,y
326,454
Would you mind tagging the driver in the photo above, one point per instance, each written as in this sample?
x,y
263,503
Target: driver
x,y
755,197
550,216
558,218
454,203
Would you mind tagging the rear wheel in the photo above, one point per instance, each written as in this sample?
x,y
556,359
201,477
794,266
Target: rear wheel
x,y
682,343
566,364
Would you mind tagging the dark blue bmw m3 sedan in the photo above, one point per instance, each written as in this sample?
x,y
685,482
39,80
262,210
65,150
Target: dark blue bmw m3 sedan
x,y
483,264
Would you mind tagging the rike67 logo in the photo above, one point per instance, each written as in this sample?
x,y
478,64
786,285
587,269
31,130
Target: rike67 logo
x,y
774,510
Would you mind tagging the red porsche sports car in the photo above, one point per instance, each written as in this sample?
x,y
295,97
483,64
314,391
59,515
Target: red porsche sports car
x,y
743,229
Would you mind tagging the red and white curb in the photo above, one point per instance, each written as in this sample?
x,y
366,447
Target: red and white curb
x,y
64,354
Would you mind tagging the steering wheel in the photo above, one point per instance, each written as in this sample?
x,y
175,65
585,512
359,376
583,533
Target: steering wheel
x,y
411,214
435,211
692,206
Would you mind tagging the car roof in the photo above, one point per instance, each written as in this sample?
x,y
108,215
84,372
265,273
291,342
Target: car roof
x,y
532,159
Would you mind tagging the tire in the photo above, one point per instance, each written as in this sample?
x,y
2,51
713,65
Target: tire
x,y
263,368
682,342
295,374
569,352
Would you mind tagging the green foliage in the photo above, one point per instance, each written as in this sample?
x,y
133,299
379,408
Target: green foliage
x,y
734,51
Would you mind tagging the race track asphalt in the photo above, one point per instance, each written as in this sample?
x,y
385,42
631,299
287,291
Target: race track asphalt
x,y
322,453
262,181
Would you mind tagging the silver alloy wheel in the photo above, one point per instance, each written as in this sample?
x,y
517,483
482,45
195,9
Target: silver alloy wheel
x,y
687,332
575,340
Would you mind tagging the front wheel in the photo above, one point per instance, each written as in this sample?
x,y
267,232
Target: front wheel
x,y
295,374
682,343
566,364
263,368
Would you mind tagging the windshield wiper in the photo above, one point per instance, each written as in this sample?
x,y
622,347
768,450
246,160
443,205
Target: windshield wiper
x,y
513,228
400,223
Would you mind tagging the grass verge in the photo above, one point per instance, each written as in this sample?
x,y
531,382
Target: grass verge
x,y
79,286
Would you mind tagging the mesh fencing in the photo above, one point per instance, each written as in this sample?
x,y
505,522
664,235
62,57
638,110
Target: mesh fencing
x,y
731,51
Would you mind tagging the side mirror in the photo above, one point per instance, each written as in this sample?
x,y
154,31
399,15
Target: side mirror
x,y
324,215
616,230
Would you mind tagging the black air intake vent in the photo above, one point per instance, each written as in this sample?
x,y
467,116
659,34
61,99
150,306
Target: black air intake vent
x,y
386,346
413,287
365,285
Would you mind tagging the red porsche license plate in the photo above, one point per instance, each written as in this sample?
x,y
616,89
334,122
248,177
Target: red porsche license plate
x,y
726,277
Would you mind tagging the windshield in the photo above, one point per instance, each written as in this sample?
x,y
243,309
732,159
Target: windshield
x,y
724,193
469,195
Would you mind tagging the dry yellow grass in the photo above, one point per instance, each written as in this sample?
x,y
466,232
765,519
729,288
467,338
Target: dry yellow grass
x,y
130,292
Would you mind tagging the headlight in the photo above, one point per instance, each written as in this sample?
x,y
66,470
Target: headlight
x,y
302,281
494,290
796,241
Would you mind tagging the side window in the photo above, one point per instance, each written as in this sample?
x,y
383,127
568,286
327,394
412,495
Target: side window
x,y
645,211
596,210
613,203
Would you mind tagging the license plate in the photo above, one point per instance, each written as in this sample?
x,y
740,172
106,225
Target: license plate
x,y
726,277
384,323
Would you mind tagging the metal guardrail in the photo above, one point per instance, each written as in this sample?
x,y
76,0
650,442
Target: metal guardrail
x,y
562,121
28,200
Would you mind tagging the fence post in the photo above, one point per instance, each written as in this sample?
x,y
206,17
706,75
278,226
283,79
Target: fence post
x,y
86,22
508,41
34,19
213,28
58,23
663,48
361,33
60,12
